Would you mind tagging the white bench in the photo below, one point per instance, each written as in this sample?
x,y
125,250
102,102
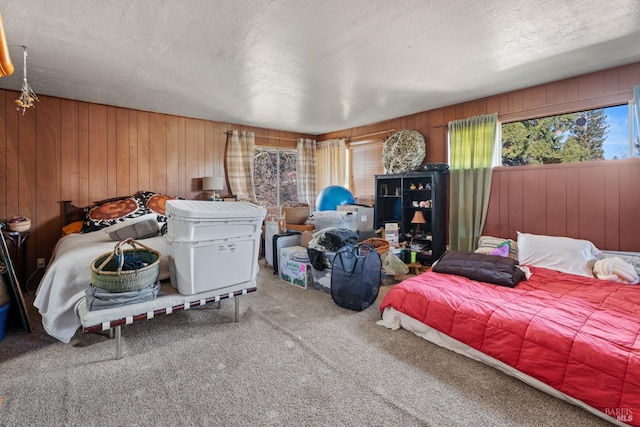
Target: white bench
x,y
168,301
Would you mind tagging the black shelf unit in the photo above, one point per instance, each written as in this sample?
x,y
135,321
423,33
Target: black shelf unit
x,y
395,197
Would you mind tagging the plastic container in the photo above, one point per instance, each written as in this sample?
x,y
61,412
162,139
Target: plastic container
x,y
206,265
322,278
290,252
4,314
333,219
190,220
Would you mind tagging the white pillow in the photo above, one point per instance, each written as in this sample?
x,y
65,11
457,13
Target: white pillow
x,y
121,224
138,228
573,256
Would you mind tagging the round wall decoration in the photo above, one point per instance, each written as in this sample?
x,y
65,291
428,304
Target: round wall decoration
x,y
403,151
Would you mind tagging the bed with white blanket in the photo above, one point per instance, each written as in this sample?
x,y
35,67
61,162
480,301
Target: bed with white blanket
x,y
61,294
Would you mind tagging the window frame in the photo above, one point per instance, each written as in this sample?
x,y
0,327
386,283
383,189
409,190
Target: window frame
x,y
633,129
276,150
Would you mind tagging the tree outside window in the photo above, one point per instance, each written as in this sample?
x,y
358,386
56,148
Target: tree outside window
x,y
275,176
599,134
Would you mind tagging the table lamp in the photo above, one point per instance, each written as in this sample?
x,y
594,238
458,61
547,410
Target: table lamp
x,y
213,184
418,218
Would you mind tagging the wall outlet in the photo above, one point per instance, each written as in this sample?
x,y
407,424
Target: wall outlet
x,y
40,263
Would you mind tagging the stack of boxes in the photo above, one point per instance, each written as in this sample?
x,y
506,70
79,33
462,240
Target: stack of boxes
x,y
294,266
301,272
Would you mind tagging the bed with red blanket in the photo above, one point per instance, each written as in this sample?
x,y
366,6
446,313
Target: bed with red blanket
x,y
572,336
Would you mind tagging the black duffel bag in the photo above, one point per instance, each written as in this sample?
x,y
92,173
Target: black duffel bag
x,y
355,276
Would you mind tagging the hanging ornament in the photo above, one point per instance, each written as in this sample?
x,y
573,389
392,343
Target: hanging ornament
x,y
27,95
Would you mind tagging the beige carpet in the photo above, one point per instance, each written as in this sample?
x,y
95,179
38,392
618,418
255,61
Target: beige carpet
x,y
295,358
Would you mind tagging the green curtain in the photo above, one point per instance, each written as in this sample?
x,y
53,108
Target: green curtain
x,y
471,144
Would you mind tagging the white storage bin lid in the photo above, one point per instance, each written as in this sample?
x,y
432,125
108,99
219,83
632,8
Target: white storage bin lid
x,y
203,209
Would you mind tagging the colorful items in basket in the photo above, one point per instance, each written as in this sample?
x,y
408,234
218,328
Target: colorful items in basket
x,y
19,223
108,271
132,261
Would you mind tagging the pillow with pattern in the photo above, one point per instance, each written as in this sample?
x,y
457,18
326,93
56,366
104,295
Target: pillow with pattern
x,y
155,203
488,244
110,212
632,258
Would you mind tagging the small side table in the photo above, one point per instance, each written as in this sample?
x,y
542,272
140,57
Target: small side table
x,y
418,268
17,246
300,227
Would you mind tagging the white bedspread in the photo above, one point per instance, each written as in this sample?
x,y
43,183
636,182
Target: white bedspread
x,y
69,273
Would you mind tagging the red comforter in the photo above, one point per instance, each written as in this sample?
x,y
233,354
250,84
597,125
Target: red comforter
x,y
576,334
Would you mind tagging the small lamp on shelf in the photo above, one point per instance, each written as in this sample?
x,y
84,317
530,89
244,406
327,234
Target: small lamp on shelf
x,y
211,185
418,218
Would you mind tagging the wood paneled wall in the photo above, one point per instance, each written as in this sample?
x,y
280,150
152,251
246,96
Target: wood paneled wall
x,y
597,201
70,150
586,217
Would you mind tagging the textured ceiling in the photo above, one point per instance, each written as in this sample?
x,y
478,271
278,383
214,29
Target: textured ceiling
x,y
309,66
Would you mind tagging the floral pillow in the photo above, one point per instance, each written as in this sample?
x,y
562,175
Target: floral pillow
x,y
110,212
490,245
155,203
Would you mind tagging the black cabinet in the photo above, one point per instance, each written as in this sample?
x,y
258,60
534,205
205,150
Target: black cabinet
x,y
414,196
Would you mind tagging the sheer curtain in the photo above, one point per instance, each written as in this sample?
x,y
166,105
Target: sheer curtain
x,y
332,160
472,146
240,152
306,169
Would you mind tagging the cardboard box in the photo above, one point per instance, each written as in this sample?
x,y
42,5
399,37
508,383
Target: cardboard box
x,y
296,273
306,238
391,232
364,216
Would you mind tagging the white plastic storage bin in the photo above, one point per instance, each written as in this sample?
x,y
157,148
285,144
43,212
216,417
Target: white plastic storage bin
x,y
333,219
206,265
189,220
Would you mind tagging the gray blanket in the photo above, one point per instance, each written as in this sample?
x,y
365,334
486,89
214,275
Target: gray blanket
x,y
99,299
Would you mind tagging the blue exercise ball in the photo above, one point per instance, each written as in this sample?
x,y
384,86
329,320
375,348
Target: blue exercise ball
x,y
332,197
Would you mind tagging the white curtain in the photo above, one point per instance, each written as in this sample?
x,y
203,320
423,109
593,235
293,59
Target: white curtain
x,y
306,170
240,155
332,160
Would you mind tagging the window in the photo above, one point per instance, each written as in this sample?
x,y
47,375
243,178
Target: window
x,y
599,134
365,164
275,176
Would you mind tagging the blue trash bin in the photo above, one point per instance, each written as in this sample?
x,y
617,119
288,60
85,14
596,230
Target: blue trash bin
x,y
4,315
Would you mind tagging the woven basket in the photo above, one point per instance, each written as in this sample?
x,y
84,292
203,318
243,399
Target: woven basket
x,y
381,245
107,270
23,225
296,215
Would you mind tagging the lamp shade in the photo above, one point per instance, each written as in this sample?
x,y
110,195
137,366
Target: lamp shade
x,y
212,183
418,218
